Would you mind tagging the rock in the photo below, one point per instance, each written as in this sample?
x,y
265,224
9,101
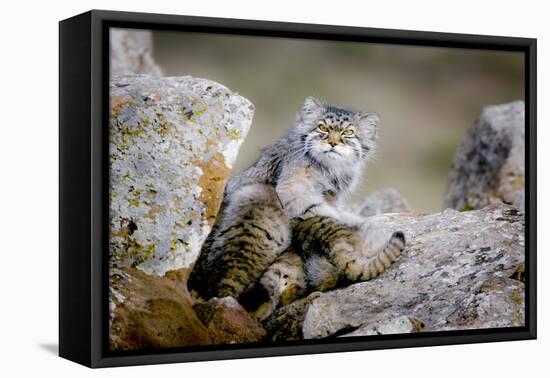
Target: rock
x,y
173,142
131,52
387,200
228,323
489,165
460,270
148,311
390,325
286,323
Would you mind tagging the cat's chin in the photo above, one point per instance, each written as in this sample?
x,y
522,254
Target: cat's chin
x,y
334,159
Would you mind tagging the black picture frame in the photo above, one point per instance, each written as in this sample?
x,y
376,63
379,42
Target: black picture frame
x,y
83,164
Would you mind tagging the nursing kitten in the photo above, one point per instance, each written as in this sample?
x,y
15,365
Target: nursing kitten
x,y
282,283
324,254
294,194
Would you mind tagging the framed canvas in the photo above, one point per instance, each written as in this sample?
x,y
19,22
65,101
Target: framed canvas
x,y
234,188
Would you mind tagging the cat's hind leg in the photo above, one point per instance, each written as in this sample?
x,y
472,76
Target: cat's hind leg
x,y
346,247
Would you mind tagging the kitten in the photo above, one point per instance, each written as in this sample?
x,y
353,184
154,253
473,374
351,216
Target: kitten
x,y
324,254
282,283
294,194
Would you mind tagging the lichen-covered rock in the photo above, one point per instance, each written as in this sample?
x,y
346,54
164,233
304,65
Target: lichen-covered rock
x,y
489,165
131,52
388,326
173,142
387,200
228,323
460,270
148,311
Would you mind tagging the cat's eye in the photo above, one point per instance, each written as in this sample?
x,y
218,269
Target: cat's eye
x,y
347,132
323,128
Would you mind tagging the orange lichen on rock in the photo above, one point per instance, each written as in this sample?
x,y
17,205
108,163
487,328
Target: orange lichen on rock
x,y
117,103
212,183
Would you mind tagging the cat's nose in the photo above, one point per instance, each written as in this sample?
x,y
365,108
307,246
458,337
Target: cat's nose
x,y
333,139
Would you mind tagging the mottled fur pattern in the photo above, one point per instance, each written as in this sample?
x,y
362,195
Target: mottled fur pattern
x,y
324,254
250,233
296,193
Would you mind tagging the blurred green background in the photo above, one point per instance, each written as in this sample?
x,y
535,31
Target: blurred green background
x,y
427,97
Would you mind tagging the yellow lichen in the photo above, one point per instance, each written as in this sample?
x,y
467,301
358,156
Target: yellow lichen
x,y
154,211
212,183
516,297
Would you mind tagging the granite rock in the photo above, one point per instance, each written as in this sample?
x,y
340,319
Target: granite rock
x,y
131,52
173,142
388,326
460,270
489,164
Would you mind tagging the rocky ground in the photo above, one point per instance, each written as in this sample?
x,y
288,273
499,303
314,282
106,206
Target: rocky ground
x,y
460,270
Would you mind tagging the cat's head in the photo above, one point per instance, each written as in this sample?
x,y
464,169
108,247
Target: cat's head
x,y
334,136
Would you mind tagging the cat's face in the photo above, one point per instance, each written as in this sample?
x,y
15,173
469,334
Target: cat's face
x,y
334,136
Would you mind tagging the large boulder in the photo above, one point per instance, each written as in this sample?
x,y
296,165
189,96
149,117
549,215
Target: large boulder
x,y
489,164
460,270
173,142
131,52
148,311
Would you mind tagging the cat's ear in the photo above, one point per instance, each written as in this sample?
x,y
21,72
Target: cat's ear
x,y
369,119
369,122
311,110
311,104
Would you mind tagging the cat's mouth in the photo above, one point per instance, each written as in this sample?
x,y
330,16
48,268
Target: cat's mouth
x,y
332,151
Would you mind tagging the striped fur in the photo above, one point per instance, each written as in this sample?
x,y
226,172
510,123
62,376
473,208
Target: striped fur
x,y
250,234
339,253
324,254
282,230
